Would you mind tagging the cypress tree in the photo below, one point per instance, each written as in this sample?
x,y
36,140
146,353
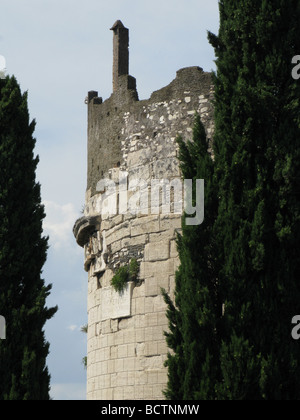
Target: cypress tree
x,y
257,151
245,257
23,249
192,335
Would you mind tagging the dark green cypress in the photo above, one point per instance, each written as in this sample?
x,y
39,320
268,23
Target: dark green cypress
x,y
192,336
23,250
257,151
245,257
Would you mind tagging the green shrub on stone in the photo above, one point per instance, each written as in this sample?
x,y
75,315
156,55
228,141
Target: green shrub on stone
x,y
124,275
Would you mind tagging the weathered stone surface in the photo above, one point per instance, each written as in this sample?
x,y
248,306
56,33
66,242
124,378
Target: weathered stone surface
x,y
116,305
157,251
145,225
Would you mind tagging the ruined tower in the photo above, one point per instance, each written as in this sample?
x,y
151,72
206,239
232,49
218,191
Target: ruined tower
x,y
120,52
130,144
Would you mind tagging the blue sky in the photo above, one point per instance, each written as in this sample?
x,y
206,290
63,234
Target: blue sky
x,y
59,50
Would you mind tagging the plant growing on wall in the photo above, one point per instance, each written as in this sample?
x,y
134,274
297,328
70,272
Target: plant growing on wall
x,y
124,275
84,329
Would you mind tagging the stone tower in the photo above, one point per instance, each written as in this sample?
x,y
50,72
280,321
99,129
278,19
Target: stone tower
x,y
131,143
120,52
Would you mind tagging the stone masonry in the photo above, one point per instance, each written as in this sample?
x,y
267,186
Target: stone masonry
x,y
126,343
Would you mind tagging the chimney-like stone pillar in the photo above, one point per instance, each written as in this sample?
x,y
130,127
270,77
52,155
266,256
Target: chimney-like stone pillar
x,y
120,52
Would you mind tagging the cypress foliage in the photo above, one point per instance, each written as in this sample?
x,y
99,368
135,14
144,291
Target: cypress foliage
x,y
23,371
257,147
238,288
192,336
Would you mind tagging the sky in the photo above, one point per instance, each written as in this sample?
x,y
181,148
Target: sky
x,y
59,50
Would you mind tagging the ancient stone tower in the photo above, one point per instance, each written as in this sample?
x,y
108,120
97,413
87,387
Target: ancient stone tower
x,y
130,144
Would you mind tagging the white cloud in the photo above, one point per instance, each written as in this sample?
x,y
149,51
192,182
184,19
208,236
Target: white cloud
x,y
68,392
58,224
73,327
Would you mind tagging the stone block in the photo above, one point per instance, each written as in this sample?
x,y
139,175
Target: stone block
x,y
105,326
149,334
119,338
162,377
116,305
131,347
113,352
170,222
151,319
157,251
114,325
117,233
148,392
150,350
131,380
126,323
119,365
107,394
128,391
139,321
139,306
133,241
161,236
118,393
156,269
122,379
152,377
116,247
140,349
140,335
151,287
140,378
162,347
154,363
122,351
173,249
149,304
144,225
139,291
110,366
158,333
159,304
117,220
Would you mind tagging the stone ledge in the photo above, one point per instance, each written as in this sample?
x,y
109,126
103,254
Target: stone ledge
x,y
84,228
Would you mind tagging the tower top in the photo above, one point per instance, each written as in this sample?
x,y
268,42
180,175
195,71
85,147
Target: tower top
x,y
120,52
118,24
